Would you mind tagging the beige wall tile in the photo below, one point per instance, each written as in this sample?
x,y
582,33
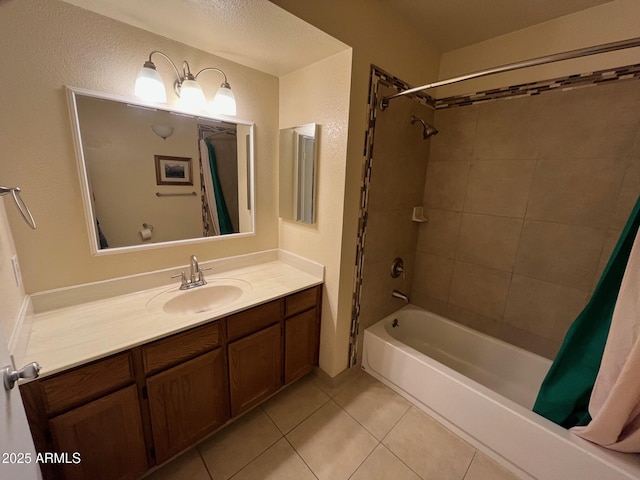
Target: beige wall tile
x,y
439,236
610,240
510,129
593,122
489,240
332,443
484,468
429,449
539,307
529,341
499,187
457,127
480,289
432,277
558,253
628,196
383,465
446,185
390,233
579,192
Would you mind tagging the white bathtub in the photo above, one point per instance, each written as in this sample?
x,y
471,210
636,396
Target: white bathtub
x,y
483,390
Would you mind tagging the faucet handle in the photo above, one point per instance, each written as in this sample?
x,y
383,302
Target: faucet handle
x,y
201,276
183,278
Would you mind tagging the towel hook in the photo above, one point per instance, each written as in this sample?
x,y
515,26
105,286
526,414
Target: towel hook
x,y
22,207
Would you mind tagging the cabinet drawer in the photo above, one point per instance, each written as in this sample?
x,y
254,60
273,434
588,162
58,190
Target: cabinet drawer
x,y
182,346
244,323
301,301
86,383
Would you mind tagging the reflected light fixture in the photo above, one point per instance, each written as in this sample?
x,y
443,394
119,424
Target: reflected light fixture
x,y
163,131
149,86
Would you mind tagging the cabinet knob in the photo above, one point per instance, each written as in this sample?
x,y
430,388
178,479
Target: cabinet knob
x,y
10,376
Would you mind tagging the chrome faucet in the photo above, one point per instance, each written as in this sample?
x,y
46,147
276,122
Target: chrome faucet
x,y
196,278
400,295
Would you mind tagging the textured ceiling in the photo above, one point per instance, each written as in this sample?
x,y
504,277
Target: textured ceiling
x,y
255,33
452,24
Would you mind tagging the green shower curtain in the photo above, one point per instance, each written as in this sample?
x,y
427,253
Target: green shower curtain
x,y
224,219
565,392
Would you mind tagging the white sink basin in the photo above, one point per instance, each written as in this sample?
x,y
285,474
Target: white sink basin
x,y
217,294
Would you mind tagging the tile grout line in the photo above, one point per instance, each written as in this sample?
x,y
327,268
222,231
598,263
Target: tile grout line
x,y
475,452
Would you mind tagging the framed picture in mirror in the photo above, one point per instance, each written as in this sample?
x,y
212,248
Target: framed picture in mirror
x,y
173,170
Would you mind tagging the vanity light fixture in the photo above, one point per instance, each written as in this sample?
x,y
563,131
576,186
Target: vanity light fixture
x,y
163,131
149,86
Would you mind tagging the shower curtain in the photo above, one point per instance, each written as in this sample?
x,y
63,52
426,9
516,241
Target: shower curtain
x,y
566,391
615,400
218,212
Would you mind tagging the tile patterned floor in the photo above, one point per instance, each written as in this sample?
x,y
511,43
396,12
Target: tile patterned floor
x,y
361,430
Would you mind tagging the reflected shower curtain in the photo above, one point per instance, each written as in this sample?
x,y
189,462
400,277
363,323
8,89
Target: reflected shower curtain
x,y
221,221
565,393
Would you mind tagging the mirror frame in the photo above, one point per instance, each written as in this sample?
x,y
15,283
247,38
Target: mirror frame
x,y
84,181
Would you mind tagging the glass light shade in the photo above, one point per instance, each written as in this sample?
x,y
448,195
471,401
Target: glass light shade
x,y
224,103
163,131
191,96
149,86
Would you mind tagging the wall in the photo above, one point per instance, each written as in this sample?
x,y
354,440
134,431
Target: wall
x,y
610,22
54,44
378,36
319,94
526,199
12,296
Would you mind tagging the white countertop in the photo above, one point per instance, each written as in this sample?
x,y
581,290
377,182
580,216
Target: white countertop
x,y
66,337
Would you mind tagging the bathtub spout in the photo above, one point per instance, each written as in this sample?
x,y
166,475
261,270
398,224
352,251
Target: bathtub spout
x,y
400,295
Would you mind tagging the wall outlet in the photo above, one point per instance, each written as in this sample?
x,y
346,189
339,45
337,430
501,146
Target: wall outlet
x,y
16,270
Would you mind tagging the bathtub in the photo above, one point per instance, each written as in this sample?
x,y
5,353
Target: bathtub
x,y
483,389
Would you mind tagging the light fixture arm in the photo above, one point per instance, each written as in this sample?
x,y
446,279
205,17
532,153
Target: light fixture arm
x,y
225,84
149,63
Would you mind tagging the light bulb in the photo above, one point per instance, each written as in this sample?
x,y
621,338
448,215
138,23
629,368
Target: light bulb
x,y
149,85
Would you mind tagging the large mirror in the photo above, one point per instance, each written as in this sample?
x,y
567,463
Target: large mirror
x,y
153,176
298,166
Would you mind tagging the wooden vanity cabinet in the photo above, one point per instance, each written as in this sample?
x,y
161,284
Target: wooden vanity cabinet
x,y
126,413
189,400
255,356
90,414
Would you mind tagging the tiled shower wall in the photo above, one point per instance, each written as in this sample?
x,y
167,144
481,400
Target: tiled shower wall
x,y
526,198
396,183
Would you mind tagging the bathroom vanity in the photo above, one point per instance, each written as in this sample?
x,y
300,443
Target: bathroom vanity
x,y
138,407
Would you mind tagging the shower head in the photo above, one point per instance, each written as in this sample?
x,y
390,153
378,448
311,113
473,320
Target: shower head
x,y
427,130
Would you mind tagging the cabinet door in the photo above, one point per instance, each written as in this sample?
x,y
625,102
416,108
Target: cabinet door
x,y
107,433
255,368
300,345
187,402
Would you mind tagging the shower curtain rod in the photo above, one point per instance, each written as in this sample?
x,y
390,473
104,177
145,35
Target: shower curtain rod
x,y
581,52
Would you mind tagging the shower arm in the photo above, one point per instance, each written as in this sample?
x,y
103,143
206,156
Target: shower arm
x,y
557,57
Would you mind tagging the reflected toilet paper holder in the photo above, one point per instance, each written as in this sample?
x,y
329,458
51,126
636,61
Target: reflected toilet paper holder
x,y
146,232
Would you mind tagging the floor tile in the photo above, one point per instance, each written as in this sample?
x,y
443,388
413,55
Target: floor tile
x,y
375,406
188,465
484,468
280,462
428,448
332,443
295,403
383,465
238,444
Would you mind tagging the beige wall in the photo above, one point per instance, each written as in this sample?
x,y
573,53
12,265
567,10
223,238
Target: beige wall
x,y
319,94
11,295
610,22
52,44
378,36
526,199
